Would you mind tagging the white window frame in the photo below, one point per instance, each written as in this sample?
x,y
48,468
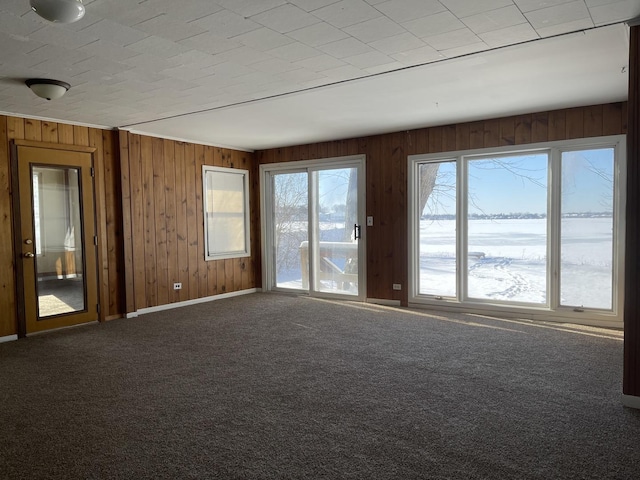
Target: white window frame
x,y
552,310
211,170
267,226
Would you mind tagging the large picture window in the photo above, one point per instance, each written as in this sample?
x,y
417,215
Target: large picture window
x,y
226,212
535,229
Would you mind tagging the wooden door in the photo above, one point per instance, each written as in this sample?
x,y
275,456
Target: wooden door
x,y
55,238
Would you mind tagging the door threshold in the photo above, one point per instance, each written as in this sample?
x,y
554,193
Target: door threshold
x,y
33,334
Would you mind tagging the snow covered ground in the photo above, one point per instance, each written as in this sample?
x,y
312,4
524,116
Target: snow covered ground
x,y
507,260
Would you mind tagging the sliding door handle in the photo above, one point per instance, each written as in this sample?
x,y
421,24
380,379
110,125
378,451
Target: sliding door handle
x,y
356,231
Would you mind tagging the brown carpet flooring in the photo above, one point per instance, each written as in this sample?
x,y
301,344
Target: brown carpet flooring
x,y
271,386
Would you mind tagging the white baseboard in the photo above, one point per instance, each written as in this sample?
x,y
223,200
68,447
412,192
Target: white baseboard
x,y
8,338
631,401
171,306
383,301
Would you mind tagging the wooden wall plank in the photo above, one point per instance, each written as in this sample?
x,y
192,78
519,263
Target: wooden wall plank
x,y
612,118
353,145
421,141
138,221
522,133
220,272
492,133
631,374
245,281
449,137
476,135
238,264
252,277
95,140
160,223
229,271
171,202
15,128
373,200
462,136
113,226
181,220
575,123
219,158
539,127
398,201
203,288
323,149
251,266
127,227
150,264
49,132
507,131
436,140
557,125
8,321
65,134
81,135
193,226
33,129
593,121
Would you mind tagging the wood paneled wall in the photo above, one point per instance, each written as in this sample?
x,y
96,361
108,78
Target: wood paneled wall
x,y
149,201
631,379
108,210
164,226
387,240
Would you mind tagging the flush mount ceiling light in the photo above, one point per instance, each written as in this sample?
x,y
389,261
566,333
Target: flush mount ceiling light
x,y
46,88
59,11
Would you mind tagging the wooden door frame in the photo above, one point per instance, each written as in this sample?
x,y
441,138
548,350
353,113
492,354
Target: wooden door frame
x,y
17,230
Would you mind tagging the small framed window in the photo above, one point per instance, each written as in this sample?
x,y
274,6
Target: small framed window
x,y
226,212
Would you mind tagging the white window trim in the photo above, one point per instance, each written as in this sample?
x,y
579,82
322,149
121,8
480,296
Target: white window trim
x,y
247,220
552,311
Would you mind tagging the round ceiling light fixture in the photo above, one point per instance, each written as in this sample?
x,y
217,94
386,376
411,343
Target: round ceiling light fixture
x,y
47,88
58,11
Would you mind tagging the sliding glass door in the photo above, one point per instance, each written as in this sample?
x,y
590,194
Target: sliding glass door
x,y
313,233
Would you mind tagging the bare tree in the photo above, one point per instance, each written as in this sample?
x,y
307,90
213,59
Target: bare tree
x,y
290,212
428,172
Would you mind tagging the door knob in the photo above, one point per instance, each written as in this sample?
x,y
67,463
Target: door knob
x,y
29,255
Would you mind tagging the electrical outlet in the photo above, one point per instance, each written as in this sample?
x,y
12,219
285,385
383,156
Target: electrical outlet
x,y
177,286
370,221
397,286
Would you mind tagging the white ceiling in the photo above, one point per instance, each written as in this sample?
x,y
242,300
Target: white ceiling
x,y
254,74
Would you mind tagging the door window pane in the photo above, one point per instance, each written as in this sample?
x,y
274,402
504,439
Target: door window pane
x,y
290,227
586,230
437,231
507,228
336,214
59,254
